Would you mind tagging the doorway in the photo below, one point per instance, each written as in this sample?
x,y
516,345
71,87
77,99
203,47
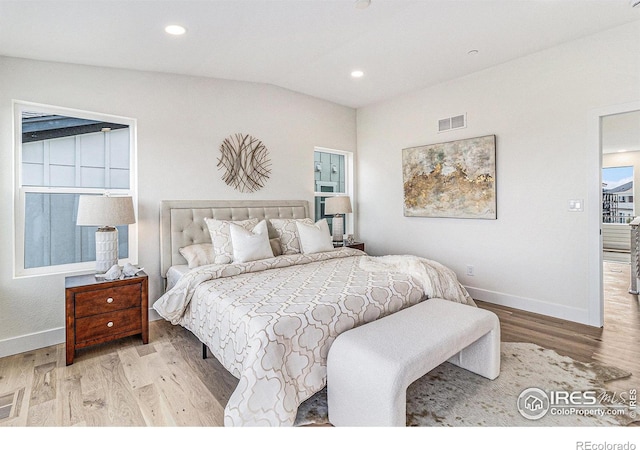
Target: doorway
x,y
618,153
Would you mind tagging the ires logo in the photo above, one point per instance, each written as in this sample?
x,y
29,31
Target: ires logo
x,y
534,403
576,398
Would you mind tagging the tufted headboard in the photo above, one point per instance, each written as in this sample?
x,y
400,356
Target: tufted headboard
x,y
182,221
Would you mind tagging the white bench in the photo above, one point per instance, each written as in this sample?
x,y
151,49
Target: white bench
x,y
370,367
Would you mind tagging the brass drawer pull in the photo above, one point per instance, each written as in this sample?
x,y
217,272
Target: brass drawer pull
x,y
110,324
110,300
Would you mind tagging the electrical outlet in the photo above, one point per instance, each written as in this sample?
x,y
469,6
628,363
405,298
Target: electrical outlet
x,y
470,271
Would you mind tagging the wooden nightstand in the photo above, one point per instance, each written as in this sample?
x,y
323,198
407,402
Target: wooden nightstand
x,y
99,311
356,245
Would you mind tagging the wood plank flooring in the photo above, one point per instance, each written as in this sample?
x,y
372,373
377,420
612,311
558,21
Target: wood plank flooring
x,y
167,383
616,344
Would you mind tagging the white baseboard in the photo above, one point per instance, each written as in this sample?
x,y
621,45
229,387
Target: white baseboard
x,y
28,342
153,315
531,305
34,341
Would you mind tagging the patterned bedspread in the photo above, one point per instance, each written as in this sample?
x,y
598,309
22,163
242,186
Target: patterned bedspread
x,y
271,322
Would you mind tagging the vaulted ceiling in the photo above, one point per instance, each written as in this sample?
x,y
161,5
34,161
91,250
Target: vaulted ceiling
x,y
308,46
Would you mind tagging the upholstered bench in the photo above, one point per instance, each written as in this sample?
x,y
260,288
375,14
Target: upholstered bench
x,y
370,367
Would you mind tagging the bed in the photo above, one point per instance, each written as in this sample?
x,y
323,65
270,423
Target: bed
x,y
271,321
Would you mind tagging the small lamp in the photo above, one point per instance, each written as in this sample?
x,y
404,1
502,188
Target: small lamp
x,y
337,206
105,212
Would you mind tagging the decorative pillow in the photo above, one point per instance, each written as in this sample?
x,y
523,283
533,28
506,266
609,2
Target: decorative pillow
x,y
276,248
287,232
250,245
315,238
198,254
221,238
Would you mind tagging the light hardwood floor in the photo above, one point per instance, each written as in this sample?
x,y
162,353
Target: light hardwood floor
x,y
616,344
167,383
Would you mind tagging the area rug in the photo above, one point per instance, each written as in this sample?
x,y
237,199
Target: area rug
x,y
450,396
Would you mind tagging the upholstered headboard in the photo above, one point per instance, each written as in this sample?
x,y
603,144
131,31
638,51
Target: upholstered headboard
x,y
182,221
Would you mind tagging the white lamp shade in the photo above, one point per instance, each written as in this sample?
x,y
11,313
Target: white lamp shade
x,y
100,211
337,205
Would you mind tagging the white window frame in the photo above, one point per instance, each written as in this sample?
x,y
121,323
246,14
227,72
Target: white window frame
x,y
349,171
20,192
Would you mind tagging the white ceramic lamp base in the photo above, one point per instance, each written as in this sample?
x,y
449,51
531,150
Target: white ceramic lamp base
x,y
106,248
338,228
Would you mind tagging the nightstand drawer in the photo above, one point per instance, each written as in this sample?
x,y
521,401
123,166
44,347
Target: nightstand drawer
x,y
108,324
106,300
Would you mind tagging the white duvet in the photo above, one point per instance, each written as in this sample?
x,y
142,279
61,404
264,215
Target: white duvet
x,y
271,322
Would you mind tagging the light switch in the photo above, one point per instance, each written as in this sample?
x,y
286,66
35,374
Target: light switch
x,y
576,205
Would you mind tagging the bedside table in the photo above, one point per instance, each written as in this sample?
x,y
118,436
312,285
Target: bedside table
x,y
356,245
99,311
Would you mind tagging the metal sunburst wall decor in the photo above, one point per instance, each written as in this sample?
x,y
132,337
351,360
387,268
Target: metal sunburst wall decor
x,y
246,162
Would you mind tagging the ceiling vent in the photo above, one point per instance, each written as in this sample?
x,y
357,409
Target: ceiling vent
x,y
452,123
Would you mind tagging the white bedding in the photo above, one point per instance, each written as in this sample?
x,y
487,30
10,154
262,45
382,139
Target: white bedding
x,y
271,322
174,274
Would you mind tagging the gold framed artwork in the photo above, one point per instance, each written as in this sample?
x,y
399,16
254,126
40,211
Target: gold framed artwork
x,y
451,180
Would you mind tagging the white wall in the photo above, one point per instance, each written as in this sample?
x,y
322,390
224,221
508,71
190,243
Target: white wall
x,y
535,255
181,123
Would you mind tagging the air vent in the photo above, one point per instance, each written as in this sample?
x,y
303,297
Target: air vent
x,y
452,123
10,404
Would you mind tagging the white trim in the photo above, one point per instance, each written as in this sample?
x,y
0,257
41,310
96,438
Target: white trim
x,y
595,288
41,339
349,170
19,192
33,341
531,305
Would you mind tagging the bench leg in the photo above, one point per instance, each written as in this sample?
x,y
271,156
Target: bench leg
x,y
350,386
483,356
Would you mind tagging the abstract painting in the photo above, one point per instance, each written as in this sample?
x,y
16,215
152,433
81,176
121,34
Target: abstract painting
x,y
246,162
452,179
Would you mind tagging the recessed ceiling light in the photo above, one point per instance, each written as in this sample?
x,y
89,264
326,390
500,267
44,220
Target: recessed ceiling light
x,y
357,74
176,30
362,4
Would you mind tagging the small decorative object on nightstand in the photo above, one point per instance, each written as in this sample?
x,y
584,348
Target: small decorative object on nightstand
x,y
101,311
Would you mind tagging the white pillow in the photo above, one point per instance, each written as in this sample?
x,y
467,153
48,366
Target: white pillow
x,y
198,254
221,239
287,232
315,238
250,245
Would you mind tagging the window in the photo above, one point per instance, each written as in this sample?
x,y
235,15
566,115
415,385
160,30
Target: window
x,y
333,176
60,155
617,195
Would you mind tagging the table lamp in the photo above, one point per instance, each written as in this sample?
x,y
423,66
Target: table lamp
x,y
337,206
105,212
